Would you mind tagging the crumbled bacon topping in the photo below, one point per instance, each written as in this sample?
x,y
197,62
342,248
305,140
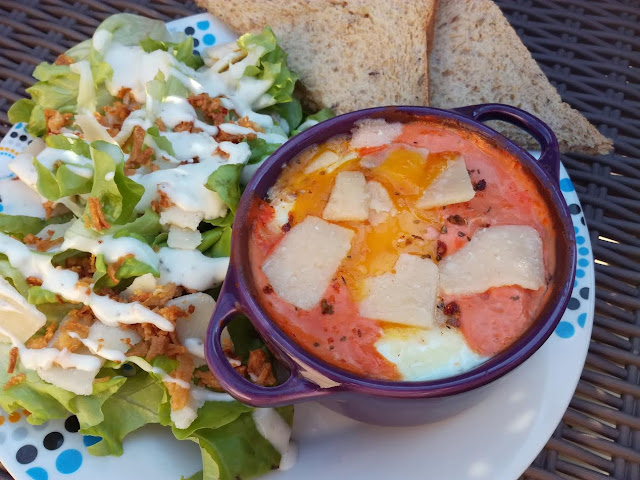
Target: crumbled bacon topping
x,y
48,209
41,342
161,202
187,127
184,372
139,156
13,360
55,120
259,368
96,215
15,380
63,59
41,244
211,107
113,268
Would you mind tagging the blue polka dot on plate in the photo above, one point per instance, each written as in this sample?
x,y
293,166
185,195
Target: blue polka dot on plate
x,y
566,185
583,262
580,240
583,251
580,273
69,461
203,25
582,318
38,473
89,440
565,329
209,39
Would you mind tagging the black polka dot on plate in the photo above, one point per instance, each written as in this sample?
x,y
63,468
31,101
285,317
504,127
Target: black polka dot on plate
x,y
582,221
71,424
189,30
575,209
53,441
196,42
584,292
26,454
23,138
574,304
13,134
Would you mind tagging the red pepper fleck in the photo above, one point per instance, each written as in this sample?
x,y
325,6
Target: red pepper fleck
x,y
325,307
451,309
441,250
286,227
268,289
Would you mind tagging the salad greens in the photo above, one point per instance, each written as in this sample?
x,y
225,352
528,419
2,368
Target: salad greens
x,y
140,171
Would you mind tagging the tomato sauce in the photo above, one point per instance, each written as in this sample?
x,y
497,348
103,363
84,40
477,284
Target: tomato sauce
x,y
504,195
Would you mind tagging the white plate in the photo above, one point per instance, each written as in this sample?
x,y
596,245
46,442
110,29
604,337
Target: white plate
x,y
495,440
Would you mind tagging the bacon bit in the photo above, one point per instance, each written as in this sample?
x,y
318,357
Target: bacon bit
x,y
206,379
140,349
127,98
159,297
211,107
221,153
162,202
171,313
160,124
173,350
157,347
456,220
259,368
326,307
48,209
113,268
480,185
286,227
114,117
85,267
15,380
246,123
13,359
98,221
63,59
267,290
34,281
187,127
441,250
138,157
184,372
38,343
56,120
101,379
191,309
41,244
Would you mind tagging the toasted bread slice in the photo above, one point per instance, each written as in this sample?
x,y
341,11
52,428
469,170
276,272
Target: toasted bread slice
x,y
350,54
477,57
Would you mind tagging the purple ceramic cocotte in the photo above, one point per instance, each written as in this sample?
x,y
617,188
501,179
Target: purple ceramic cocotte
x,y
376,401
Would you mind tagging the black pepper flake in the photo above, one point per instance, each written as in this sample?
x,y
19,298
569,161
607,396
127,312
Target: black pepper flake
x,y
453,322
480,185
343,280
516,297
343,338
456,220
325,307
316,344
286,227
268,289
443,229
468,238
359,333
441,249
462,234
426,255
417,237
331,347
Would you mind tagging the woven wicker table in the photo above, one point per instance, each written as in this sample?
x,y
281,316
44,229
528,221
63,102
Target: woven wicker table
x,y
591,51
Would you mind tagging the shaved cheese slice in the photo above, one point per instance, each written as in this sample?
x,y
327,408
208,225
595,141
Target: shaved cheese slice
x,y
329,161
379,199
451,186
113,339
73,380
407,296
181,218
303,263
184,238
374,133
496,256
427,354
349,199
196,324
17,315
146,283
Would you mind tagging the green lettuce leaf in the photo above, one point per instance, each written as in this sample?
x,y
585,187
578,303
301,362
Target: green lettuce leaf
x,y
183,50
118,194
225,181
311,120
209,238
62,142
130,268
26,111
260,149
162,141
13,276
272,65
19,225
129,29
37,295
132,406
146,227
222,247
291,112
